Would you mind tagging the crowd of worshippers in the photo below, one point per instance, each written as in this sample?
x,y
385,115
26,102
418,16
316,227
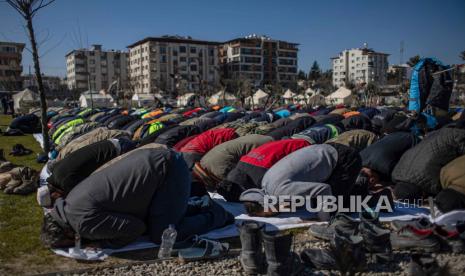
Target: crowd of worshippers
x,y
118,174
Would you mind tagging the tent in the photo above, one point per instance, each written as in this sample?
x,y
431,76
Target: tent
x,y
258,99
289,96
25,99
222,98
340,96
317,100
143,100
95,99
183,100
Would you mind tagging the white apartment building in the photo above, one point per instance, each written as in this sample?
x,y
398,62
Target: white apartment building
x,y
260,59
360,65
97,67
164,63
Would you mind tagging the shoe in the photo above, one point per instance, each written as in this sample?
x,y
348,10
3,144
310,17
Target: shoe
x,y
410,238
4,179
326,231
252,255
15,180
319,258
20,150
278,253
424,265
376,239
345,251
418,223
450,238
29,180
5,165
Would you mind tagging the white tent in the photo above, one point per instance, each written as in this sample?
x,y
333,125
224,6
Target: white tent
x,y
183,100
340,96
222,98
316,100
92,98
143,100
289,96
25,99
259,98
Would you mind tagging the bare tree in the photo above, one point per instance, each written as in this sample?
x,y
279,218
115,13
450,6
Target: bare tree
x,y
28,9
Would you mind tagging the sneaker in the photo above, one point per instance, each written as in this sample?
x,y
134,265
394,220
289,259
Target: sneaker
x,y
424,265
450,238
410,238
29,180
418,223
326,231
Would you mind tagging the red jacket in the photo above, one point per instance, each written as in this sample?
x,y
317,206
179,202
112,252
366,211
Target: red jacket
x,y
191,112
183,142
268,154
208,140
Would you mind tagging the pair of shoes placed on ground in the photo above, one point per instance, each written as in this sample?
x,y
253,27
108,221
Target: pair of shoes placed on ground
x,y
22,181
257,244
349,235
20,150
422,235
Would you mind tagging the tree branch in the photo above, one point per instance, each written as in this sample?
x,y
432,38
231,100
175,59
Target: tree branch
x,y
43,5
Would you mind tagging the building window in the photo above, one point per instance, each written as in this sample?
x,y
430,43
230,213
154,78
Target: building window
x,y
162,50
182,49
193,50
182,59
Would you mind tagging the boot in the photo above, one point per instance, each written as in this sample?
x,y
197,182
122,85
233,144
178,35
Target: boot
x,y
278,253
252,251
29,182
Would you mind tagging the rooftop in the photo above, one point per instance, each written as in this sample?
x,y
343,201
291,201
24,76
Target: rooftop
x,y
258,37
174,39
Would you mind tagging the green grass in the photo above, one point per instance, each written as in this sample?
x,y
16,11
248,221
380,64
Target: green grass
x,y
20,216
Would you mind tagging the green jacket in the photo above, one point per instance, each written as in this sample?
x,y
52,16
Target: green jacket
x,y
358,139
223,158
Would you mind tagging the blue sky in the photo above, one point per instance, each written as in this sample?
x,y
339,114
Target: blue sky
x,y
323,28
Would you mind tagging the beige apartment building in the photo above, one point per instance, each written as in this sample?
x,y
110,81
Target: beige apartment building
x,y
51,83
97,67
260,59
166,63
359,65
11,55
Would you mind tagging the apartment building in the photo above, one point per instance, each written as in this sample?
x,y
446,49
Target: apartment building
x,y
168,63
97,67
260,59
359,65
11,55
51,83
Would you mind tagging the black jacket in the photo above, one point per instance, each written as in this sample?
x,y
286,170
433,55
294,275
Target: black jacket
x,y
383,155
172,136
421,165
292,128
